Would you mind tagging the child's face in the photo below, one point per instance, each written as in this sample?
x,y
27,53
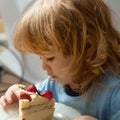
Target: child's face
x,y
56,65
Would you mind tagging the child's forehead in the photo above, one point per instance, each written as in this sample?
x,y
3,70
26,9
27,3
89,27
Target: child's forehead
x,y
50,51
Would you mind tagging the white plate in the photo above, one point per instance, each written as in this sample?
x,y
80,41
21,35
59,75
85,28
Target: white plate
x,y
62,112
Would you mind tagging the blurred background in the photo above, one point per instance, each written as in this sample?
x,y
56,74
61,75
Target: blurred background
x,y
14,66
24,68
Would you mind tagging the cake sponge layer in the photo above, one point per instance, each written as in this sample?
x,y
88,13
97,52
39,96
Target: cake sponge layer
x,y
38,108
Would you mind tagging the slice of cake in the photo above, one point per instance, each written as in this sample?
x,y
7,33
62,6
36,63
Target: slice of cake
x,y
36,106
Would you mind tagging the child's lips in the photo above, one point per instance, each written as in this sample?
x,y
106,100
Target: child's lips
x,y
53,76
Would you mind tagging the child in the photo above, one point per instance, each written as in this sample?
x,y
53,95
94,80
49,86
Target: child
x,y
80,51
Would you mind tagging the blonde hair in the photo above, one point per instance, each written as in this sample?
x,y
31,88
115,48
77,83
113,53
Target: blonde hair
x,y
73,27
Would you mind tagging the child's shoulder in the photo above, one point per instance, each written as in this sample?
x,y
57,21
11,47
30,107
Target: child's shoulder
x,y
111,79
109,87
106,96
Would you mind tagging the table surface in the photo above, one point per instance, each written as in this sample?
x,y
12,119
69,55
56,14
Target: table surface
x,y
8,80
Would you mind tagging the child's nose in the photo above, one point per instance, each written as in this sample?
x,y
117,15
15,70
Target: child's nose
x,y
45,66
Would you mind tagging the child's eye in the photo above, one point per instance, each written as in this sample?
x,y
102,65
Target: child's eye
x,y
50,59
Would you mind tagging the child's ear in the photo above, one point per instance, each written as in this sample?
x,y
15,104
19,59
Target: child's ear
x,y
90,48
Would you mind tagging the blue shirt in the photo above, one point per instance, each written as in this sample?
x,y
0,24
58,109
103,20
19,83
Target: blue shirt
x,y
103,103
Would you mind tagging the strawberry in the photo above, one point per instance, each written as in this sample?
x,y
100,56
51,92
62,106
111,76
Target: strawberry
x,y
30,88
47,94
24,95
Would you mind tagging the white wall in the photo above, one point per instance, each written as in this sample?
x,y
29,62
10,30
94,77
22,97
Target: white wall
x,y
115,5
11,11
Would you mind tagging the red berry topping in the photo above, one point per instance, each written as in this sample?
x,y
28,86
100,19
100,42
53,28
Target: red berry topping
x,y
47,94
24,95
30,88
